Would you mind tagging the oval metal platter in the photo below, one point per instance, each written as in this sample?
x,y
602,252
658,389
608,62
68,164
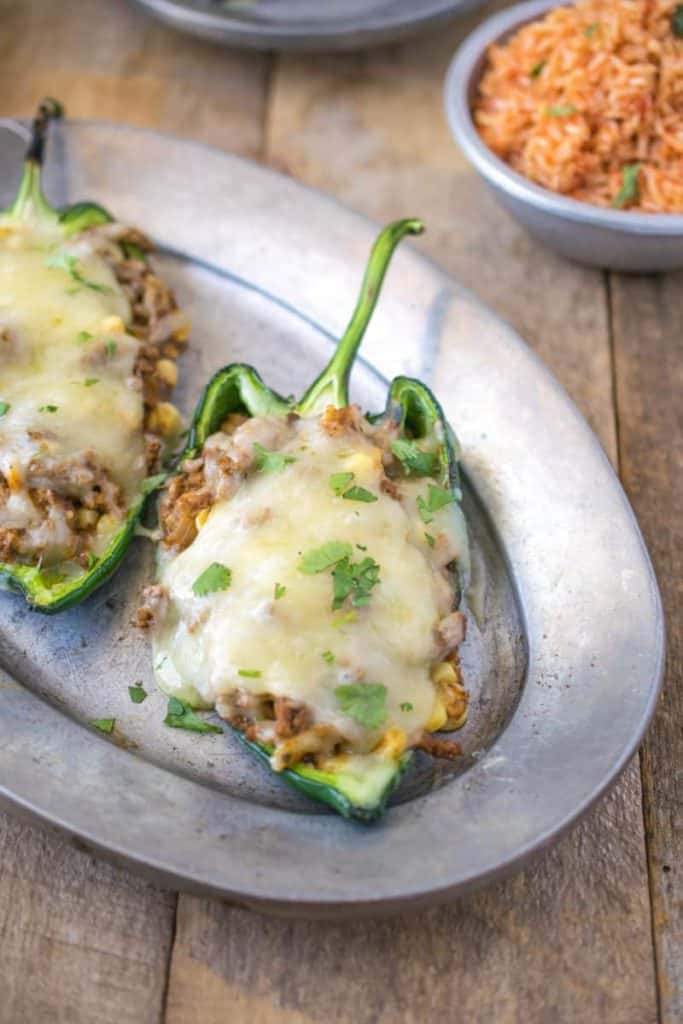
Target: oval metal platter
x,y
305,24
565,647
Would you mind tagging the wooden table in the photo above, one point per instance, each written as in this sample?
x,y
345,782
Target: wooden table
x,y
593,931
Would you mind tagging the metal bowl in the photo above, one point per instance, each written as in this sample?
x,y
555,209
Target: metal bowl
x,y
615,239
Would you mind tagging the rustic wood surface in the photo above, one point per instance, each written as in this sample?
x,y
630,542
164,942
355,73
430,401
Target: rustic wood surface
x,y
593,931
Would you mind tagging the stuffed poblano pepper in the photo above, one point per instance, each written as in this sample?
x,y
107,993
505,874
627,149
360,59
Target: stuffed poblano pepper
x,y
88,341
310,573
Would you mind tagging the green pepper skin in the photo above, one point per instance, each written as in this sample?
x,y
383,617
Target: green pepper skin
x,y
42,591
239,388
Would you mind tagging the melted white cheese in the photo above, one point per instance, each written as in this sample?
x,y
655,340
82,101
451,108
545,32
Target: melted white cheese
x,y
43,364
260,534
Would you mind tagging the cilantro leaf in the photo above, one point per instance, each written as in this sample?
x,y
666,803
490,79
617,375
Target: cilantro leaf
x,y
328,656
137,693
359,494
344,620
629,186
438,498
92,560
430,540
354,579
590,30
48,408
338,481
104,724
4,407
677,21
249,673
406,706
110,347
560,110
414,460
180,715
364,702
150,483
215,577
89,381
270,462
65,261
84,336
280,591
537,69
318,559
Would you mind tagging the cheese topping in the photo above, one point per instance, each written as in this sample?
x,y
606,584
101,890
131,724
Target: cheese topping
x,y
66,366
296,645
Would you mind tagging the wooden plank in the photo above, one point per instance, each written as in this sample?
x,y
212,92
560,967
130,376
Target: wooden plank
x,y
81,941
569,938
648,328
111,62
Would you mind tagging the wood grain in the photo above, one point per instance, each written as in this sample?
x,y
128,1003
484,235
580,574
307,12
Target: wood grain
x,y
648,329
568,939
105,59
80,941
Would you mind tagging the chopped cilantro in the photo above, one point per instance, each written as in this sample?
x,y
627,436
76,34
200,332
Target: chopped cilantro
x,y
364,702
406,706
270,462
414,460
137,693
677,21
345,620
537,69
328,656
629,186
430,540
92,560
180,715
249,673
104,724
340,481
280,591
438,498
64,261
215,577
359,494
48,408
83,336
590,30
560,110
110,346
89,381
4,407
355,579
150,483
362,547
318,559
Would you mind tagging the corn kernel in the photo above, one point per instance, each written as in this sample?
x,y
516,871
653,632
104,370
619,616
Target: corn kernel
x,y
86,517
443,674
107,524
201,518
392,744
364,463
112,325
167,371
14,478
164,419
182,333
438,718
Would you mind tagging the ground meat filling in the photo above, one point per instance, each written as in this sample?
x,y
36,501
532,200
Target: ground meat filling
x,y
287,726
69,498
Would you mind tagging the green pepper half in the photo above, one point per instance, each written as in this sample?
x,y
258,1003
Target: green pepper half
x,y
363,791
43,589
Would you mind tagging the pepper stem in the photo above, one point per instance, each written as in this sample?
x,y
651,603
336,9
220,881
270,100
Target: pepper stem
x,y
30,199
332,386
